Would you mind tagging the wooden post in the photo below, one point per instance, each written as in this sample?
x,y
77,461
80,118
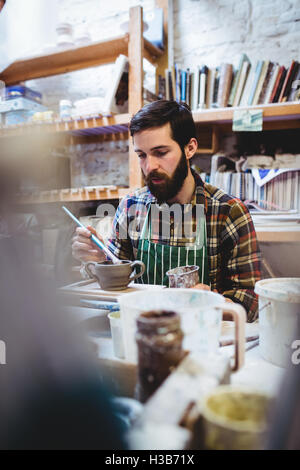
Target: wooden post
x,y
135,102
163,61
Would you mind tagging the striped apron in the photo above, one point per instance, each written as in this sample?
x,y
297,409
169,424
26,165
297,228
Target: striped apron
x,y
159,258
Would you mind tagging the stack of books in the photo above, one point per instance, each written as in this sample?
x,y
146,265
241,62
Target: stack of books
x,y
260,83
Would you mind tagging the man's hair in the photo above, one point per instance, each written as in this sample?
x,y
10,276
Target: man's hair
x,y
159,113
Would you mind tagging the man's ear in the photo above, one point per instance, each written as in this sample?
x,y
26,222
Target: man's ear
x,y
191,148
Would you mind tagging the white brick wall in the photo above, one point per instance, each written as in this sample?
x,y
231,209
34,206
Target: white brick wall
x,y
210,32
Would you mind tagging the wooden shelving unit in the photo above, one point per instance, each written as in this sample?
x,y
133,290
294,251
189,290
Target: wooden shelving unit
x,y
271,112
211,122
135,47
88,126
90,193
75,58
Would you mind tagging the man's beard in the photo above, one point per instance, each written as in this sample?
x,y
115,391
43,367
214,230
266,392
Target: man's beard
x,y
170,186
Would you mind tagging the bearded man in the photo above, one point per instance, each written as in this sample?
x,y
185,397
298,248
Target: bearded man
x,y
152,225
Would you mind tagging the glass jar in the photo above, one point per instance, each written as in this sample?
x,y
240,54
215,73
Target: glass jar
x,y
159,342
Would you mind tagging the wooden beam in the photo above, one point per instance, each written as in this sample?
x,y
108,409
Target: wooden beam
x,y
135,57
64,61
163,61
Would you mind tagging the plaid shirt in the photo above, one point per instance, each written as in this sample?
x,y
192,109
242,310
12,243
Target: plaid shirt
x,y
232,247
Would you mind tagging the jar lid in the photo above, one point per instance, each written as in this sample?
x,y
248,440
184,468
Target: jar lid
x,y
158,321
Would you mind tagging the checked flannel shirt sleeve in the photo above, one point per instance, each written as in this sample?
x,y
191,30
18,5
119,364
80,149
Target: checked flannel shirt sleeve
x,y
240,260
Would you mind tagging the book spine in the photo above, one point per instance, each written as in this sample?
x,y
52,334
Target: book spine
x,y
209,87
286,81
276,84
173,79
272,82
196,90
294,94
280,85
188,87
177,82
161,88
293,72
260,82
255,81
242,82
214,102
265,84
236,79
202,87
224,85
183,86
171,90
167,81
248,85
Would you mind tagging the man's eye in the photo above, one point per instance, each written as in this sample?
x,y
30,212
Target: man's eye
x,y
141,155
161,154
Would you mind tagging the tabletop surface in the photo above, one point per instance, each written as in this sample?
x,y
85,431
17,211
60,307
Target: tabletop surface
x,y
256,372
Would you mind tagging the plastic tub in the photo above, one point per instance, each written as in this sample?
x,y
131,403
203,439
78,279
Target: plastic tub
x,y
279,316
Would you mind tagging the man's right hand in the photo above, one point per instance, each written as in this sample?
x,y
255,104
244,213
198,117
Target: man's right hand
x,y
83,249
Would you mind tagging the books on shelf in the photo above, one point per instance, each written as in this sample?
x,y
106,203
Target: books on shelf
x,y
236,80
251,84
281,192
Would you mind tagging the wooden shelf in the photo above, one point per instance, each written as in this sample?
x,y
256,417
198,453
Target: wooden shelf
x,y
271,112
90,193
89,126
75,58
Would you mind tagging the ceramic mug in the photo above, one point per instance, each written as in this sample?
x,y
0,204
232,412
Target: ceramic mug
x,y
114,276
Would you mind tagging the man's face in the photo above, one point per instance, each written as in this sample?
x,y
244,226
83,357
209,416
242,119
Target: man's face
x,y
163,164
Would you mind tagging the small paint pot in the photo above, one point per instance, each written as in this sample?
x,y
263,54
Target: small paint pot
x,y
183,276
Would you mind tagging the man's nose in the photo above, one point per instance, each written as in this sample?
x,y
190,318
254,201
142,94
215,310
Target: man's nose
x,y
151,164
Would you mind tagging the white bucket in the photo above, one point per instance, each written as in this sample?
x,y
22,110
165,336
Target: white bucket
x,y
279,318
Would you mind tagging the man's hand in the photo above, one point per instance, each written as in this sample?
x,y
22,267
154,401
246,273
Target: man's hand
x,y
226,316
202,287
206,287
83,249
